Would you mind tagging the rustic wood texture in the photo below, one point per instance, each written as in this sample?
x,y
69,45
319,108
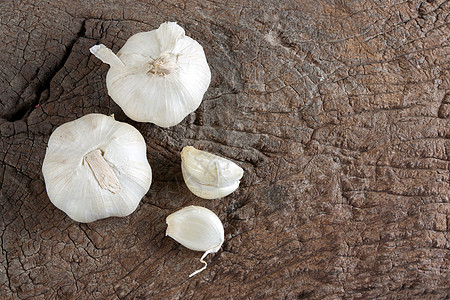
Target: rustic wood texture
x,y
338,111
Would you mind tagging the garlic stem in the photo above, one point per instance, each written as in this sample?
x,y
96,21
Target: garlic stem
x,y
103,172
106,55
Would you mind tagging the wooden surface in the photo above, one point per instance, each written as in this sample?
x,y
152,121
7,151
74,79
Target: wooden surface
x,y
338,111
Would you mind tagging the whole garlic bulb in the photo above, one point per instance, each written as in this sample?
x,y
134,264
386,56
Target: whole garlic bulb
x,y
96,167
207,175
158,76
197,228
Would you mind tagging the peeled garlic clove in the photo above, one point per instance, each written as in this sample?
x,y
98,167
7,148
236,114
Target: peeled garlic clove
x,y
207,175
158,76
96,167
197,228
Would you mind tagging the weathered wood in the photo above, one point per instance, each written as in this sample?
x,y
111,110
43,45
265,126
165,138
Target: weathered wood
x,y
338,112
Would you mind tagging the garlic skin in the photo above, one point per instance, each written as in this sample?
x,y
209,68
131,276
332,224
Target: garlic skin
x,y
96,167
158,76
197,228
207,175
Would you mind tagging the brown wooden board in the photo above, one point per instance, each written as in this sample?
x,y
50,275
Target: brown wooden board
x,y
338,111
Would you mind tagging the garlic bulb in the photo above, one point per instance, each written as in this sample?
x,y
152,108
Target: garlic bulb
x,y
158,76
197,228
207,175
96,167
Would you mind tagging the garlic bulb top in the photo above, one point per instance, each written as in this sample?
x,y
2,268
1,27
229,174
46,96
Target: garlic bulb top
x,y
197,228
158,76
96,167
207,175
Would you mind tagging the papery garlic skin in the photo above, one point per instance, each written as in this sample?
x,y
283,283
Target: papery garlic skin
x,y
197,228
207,175
96,167
158,76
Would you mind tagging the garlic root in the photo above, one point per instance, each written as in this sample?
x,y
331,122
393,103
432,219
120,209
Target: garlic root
x,y
202,261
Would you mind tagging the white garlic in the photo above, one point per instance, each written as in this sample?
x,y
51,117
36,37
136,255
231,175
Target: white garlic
x,y
158,76
197,228
207,175
96,167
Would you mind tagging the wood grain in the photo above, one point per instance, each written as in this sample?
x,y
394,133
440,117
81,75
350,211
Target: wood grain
x,y
338,111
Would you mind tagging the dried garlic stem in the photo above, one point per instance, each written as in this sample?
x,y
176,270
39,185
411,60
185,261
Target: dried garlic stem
x,y
103,172
106,55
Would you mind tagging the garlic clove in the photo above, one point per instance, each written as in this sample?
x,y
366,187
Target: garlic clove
x,y
162,75
207,175
169,34
96,167
197,228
